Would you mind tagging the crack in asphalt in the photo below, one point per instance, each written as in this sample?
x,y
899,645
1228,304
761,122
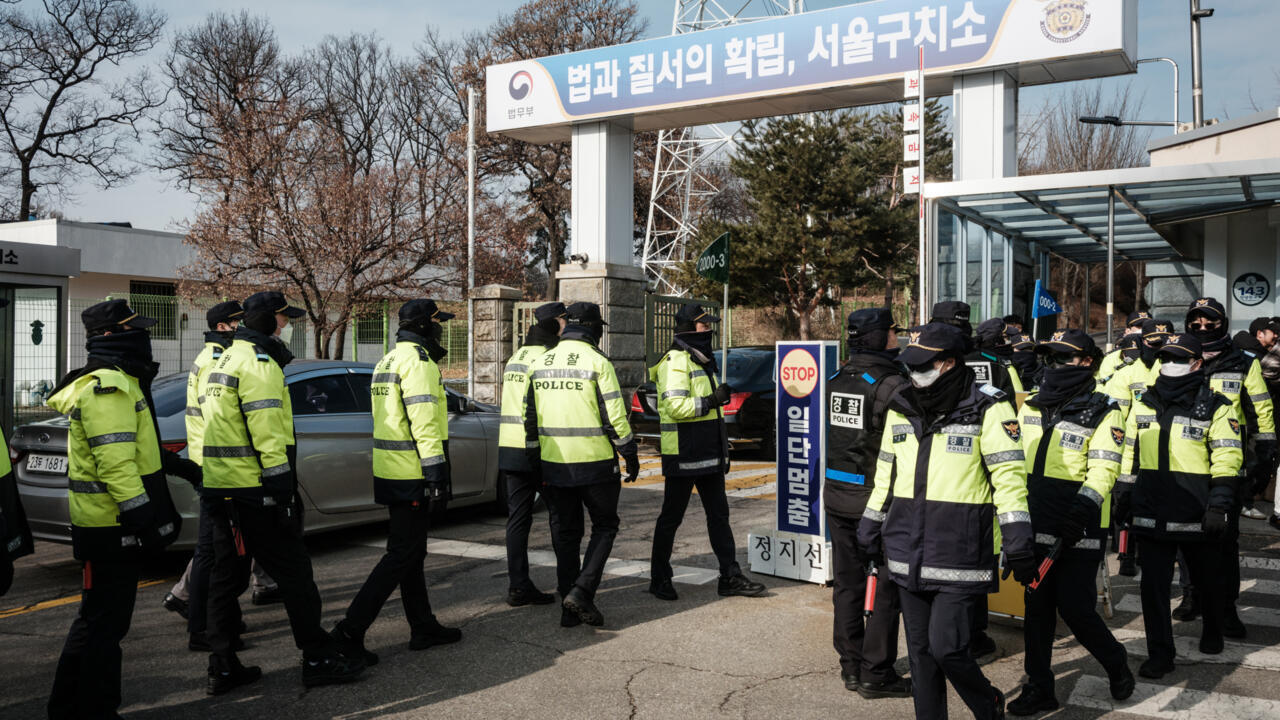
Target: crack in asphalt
x,y
765,681
631,697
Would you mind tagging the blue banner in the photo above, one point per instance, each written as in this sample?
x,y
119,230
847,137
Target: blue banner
x,y
1046,304
800,374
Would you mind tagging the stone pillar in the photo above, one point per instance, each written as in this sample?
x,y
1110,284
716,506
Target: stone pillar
x,y
494,306
619,291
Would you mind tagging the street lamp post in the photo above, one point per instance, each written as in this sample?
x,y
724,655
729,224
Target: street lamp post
x,y
1176,124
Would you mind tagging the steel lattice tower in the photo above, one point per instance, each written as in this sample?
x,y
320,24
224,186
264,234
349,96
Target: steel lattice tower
x,y
683,154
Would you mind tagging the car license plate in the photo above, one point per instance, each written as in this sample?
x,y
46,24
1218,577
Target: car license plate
x,y
47,463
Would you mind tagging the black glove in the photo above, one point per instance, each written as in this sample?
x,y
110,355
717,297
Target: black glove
x,y
435,490
1215,522
722,394
1122,507
1264,451
140,522
1024,568
632,460
185,468
1080,516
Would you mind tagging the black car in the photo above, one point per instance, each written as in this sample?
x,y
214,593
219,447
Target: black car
x,y
749,416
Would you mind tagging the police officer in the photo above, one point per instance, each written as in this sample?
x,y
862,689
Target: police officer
x,y
1073,437
1128,383
1256,342
15,533
994,349
1025,359
1238,377
695,452
250,495
118,498
1183,451
410,472
1114,360
521,478
576,415
858,397
189,595
1127,349
951,466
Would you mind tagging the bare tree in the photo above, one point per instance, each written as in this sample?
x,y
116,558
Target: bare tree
x,y
61,119
1055,141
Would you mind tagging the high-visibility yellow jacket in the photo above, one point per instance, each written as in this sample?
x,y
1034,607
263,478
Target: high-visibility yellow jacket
x,y
1129,382
949,495
1073,451
114,467
1179,460
1110,363
512,447
214,346
576,414
1238,378
693,439
410,425
248,423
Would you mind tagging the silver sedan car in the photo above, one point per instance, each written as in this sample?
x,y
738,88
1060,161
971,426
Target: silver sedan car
x,y
333,422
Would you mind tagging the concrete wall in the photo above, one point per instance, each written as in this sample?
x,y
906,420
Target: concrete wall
x,y
1222,144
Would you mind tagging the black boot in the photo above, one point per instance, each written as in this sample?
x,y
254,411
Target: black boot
x,y
432,633
663,590
896,688
1032,700
529,596
568,618
738,584
578,603
1232,626
175,604
1189,608
235,675
1129,565
1122,682
331,670
351,643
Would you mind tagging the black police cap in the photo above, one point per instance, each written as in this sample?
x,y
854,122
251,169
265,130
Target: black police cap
x,y
1257,326
931,341
422,310
867,320
549,311
1208,307
585,312
695,313
273,302
111,314
1136,319
224,312
1072,340
991,333
1180,347
1022,342
1155,331
950,311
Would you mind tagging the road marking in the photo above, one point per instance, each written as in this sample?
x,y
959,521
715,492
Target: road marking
x,y
1258,616
1188,651
546,558
1260,563
69,599
1172,702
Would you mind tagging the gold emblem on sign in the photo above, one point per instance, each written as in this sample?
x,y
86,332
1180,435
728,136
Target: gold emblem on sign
x,y
1065,20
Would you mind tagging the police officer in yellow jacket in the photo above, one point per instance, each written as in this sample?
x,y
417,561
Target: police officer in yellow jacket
x,y
521,478
1130,381
1238,377
695,452
1114,360
1182,459
119,500
950,486
410,472
576,415
1073,437
250,496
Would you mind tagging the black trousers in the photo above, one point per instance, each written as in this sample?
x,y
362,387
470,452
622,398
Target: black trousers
x,y
1157,560
1069,590
272,535
522,487
400,566
1229,557
601,502
87,681
715,505
938,630
867,648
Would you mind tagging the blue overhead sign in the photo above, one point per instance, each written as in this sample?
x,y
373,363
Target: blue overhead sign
x,y
654,80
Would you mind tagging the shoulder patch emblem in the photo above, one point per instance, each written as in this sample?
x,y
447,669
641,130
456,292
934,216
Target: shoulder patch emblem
x,y
1117,436
1012,429
1235,426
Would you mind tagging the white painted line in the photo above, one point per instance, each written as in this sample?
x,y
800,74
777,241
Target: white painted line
x,y
1188,651
1260,563
1251,616
545,558
1172,703
765,489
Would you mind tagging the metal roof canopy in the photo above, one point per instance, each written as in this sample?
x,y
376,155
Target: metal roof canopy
x,y
1067,213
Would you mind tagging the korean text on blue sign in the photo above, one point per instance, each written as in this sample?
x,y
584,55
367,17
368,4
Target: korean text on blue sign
x,y
800,435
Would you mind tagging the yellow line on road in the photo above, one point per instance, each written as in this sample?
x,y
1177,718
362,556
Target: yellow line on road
x,y
59,602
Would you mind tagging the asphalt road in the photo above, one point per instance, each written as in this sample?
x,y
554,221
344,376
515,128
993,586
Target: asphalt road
x,y
701,656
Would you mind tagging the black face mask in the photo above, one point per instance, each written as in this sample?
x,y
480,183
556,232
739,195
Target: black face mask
x,y
271,344
872,340
1059,384
428,337
946,392
1147,354
1180,391
220,337
129,350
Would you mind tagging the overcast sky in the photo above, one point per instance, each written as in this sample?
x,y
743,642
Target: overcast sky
x,y
1242,65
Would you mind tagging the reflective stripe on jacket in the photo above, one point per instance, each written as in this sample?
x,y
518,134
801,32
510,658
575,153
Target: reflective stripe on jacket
x,y
692,426
576,414
1073,453
248,425
960,494
1238,377
211,353
113,456
512,446
410,424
